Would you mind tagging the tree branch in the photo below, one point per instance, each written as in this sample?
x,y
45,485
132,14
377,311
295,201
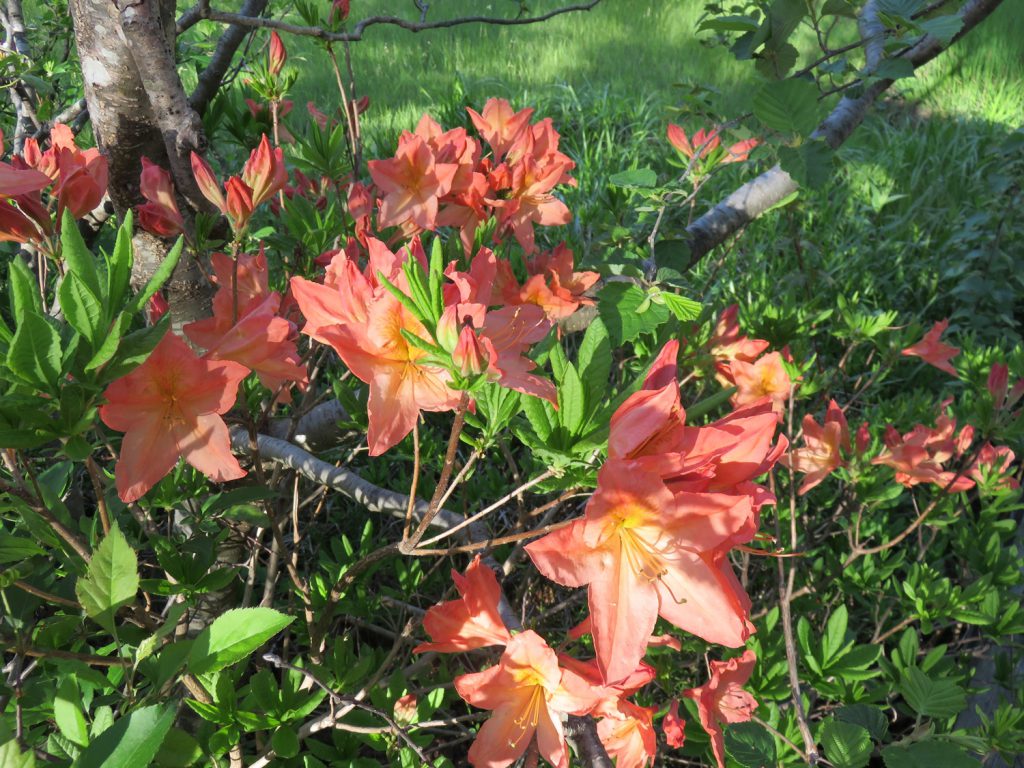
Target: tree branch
x,y
772,187
210,79
361,26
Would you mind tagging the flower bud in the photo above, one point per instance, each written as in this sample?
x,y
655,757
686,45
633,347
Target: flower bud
x,y
469,356
277,55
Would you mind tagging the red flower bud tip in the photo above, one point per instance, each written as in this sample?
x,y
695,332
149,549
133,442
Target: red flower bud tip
x,y
239,204
339,10
469,356
863,439
277,55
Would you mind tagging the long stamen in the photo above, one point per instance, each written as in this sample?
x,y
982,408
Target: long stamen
x,y
641,556
528,720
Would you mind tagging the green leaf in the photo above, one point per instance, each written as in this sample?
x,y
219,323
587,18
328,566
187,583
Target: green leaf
x,y
119,266
161,276
131,742
683,308
285,742
835,635
637,177
838,8
111,341
67,712
594,362
112,579
750,745
233,636
928,754
571,401
35,355
903,9
846,745
627,311
788,106
933,698
81,308
870,718
538,412
894,69
729,24
709,404
943,28
12,757
22,285
179,750
77,256
810,164
14,549
134,349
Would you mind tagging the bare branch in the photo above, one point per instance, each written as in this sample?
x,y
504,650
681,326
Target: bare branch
x,y
772,187
210,79
362,26
872,33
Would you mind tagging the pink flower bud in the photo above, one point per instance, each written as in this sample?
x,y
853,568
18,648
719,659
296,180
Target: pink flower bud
x,y
469,356
863,439
405,709
207,182
239,204
277,55
998,378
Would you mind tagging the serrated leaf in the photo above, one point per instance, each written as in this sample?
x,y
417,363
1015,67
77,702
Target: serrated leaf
x,y
870,718
571,400
838,8
683,308
538,412
233,636
810,164
35,354
903,9
894,69
112,579
846,745
622,309
750,745
637,177
787,106
938,698
928,754
77,256
943,28
67,712
131,742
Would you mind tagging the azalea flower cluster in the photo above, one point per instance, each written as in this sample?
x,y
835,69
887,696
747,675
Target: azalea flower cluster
x,y
704,151
441,178
671,501
418,357
170,407
76,178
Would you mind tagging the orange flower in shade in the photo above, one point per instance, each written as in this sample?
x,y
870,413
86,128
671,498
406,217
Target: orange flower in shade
x,y
20,181
933,351
766,377
629,739
472,621
79,176
998,460
160,215
553,285
704,142
169,408
645,552
673,726
918,456
525,689
821,454
411,182
728,342
723,700
500,125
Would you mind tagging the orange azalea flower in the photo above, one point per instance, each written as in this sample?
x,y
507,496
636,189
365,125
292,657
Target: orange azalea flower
x,y
728,343
411,182
629,739
20,181
553,284
918,455
723,700
530,201
820,455
766,377
264,173
645,552
472,621
704,142
933,351
160,214
169,408
674,726
525,690
263,176
499,124
740,151
607,697
995,459
363,323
